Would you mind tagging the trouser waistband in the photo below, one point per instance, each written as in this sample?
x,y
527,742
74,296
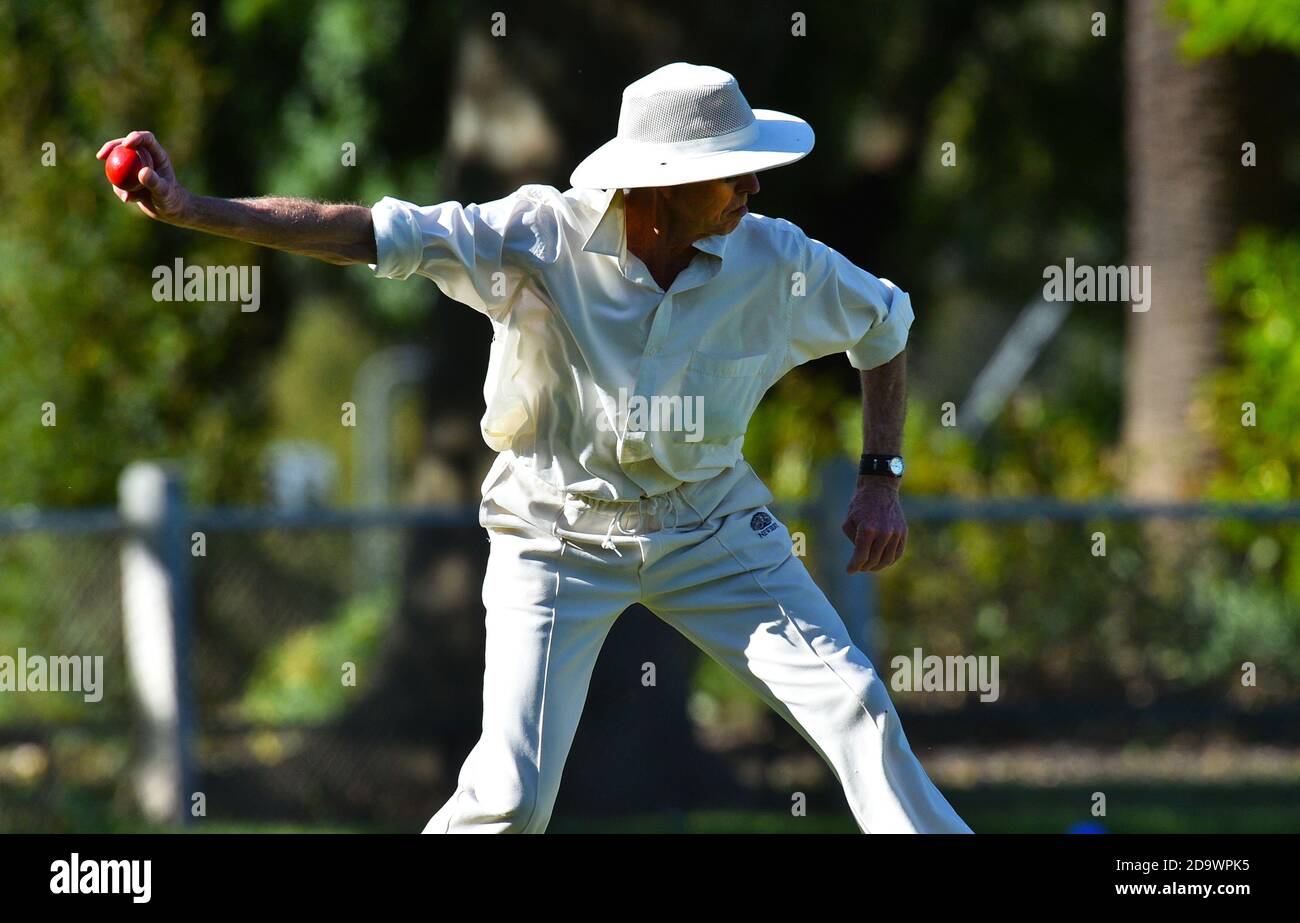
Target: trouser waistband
x,y
569,515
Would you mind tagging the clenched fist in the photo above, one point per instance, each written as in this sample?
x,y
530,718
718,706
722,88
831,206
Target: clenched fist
x,y
875,524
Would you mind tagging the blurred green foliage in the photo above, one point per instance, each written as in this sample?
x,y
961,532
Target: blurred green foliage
x,y
1255,401
263,102
1253,415
1216,26
299,679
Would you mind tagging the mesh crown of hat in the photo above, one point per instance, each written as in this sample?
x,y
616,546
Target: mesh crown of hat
x,y
682,102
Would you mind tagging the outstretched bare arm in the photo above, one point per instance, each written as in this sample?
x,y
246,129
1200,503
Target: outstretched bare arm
x,y
338,234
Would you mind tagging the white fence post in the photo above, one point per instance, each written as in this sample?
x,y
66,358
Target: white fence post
x,y
155,623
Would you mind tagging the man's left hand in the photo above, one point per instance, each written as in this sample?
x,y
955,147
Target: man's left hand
x,y
875,524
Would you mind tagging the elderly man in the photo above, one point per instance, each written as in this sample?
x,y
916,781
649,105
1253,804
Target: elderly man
x,y
637,320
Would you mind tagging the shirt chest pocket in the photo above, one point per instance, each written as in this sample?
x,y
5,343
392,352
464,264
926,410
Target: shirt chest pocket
x,y
726,390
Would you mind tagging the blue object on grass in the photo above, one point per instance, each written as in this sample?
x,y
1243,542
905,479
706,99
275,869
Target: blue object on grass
x,y
1087,826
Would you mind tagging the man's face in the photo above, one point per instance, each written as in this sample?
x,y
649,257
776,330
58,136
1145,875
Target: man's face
x,y
714,206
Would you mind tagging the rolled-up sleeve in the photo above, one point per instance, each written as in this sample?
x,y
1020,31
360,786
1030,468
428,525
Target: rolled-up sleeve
x,y
845,308
399,241
477,254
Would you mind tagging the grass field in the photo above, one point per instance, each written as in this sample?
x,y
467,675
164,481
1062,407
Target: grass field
x,y
1014,809
988,809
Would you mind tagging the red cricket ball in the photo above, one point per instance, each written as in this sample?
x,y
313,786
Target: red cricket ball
x,y
124,164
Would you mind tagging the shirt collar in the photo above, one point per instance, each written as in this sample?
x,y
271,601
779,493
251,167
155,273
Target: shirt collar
x,y
716,244
610,234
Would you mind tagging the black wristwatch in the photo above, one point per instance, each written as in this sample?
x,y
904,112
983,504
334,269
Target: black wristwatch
x,y
890,466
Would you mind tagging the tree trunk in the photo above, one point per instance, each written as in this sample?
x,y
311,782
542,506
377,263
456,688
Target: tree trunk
x,y
1180,156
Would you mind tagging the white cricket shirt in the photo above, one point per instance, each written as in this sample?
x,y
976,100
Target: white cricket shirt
x,y
602,384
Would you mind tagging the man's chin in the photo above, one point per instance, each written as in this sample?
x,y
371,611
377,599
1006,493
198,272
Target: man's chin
x,y
733,220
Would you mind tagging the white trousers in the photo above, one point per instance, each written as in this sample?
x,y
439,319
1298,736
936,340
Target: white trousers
x,y
727,580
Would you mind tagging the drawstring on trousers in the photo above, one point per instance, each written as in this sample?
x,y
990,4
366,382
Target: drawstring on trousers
x,y
608,543
574,503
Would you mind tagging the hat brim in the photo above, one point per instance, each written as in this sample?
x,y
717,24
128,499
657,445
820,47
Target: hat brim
x,y
782,139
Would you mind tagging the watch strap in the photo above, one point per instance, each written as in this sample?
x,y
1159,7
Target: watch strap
x,y
880,464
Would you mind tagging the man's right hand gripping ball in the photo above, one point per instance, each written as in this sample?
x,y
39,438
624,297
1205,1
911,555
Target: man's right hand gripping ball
x,y
158,194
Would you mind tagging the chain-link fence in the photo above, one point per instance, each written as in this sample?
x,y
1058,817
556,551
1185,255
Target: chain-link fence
x,y
61,754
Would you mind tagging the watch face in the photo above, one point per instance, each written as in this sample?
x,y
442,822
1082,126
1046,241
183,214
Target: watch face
x,y
896,466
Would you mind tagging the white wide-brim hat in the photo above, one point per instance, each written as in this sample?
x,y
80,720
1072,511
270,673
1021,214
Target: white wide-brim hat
x,y
686,123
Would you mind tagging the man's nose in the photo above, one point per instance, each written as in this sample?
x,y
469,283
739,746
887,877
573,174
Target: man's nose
x,y
748,184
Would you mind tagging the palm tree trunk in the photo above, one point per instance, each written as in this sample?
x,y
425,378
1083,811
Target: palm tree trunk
x,y
1180,157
